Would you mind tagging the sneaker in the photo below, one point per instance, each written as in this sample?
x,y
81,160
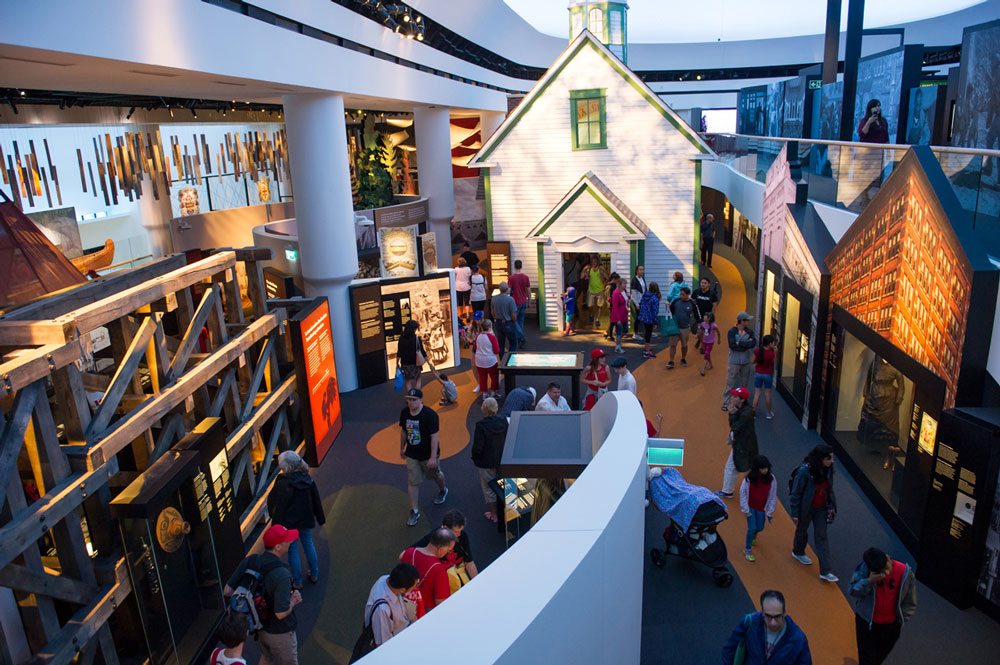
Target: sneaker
x,y
670,365
829,577
413,518
619,349
749,555
313,578
725,408
684,363
769,415
639,339
648,354
803,559
296,586
703,371
729,495
475,390
442,495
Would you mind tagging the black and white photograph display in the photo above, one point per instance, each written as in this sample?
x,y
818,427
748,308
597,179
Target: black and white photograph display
x,y
989,575
793,114
880,77
922,114
831,99
752,103
775,101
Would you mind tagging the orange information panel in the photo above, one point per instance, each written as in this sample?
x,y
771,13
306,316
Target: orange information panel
x,y
316,378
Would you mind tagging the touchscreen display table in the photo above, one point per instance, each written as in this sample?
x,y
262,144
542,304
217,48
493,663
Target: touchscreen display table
x,y
526,363
531,451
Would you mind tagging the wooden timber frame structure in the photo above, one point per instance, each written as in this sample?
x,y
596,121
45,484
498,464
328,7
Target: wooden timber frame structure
x,y
165,379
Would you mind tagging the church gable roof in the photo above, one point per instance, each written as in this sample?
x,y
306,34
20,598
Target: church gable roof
x,y
585,40
634,227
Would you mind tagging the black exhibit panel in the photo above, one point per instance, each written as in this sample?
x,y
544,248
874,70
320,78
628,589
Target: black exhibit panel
x,y
369,333
547,445
960,541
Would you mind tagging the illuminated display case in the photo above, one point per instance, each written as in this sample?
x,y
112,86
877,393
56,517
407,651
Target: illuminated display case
x,y
165,521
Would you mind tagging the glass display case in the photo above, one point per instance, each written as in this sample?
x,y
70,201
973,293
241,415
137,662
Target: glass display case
x,y
164,517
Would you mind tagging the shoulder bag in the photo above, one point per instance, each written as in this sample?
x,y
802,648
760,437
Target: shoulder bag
x,y
413,600
365,643
741,649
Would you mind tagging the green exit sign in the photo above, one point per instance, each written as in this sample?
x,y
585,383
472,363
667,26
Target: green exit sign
x,y
815,84
291,254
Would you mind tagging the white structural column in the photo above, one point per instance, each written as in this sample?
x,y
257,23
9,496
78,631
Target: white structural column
x,y
489,123
155,214
433,137
328,252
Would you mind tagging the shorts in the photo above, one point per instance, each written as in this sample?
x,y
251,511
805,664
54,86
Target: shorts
x,y
463,298
763,381
707,348
478,305
619,328
683,335
595,299
417,471
411,372
569,317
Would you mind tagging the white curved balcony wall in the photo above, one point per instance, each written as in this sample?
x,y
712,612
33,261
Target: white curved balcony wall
x,y
570,590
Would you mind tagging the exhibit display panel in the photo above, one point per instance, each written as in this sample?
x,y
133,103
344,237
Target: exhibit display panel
x,y
316,378
770,304
532,363
881,413
793,352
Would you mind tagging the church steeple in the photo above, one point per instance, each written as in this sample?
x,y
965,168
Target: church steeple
x,y
607,20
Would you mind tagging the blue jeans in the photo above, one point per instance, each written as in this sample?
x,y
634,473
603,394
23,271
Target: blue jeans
x,y
755,524
506,334
521,311
305,535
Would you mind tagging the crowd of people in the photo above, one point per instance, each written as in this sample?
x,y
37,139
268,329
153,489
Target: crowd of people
x,y
441,562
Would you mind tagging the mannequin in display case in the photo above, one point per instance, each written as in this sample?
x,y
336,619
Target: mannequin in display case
x,y
883,392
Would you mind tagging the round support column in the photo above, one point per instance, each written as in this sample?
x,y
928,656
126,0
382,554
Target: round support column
x,y
489,123
155,215
328,252
433,137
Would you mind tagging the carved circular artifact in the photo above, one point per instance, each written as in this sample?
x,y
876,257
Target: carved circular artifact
x,y
170,529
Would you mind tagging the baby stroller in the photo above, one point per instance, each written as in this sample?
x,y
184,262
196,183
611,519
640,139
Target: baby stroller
x,y
694,514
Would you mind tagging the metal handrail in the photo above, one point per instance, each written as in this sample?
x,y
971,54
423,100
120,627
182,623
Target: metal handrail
x,y
858,144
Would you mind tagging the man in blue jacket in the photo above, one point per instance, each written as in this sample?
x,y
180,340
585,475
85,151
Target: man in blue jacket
x,y
770,637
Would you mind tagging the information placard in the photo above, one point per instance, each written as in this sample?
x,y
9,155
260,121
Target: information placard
x,y
316,378
498,255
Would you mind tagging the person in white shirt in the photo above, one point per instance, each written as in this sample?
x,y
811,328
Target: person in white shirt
x,y
552,400
625,379
385,611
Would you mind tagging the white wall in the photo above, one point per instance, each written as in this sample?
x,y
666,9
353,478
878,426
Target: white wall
x,y
570,590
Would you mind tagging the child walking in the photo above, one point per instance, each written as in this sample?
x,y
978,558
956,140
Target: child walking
x,y
708,334
763,377
758,500
569,308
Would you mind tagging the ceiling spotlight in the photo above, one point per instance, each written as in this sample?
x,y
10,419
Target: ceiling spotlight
x,y
194,113
406,18
23,93
420,37
698,77
130,112
419,19
171,111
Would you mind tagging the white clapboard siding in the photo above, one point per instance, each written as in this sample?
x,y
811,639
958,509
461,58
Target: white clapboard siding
x,y
553,287
647,164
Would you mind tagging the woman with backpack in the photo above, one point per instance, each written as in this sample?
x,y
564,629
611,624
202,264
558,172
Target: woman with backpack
x,y
758,500
410,355
811,500
763,378
294,503
649,313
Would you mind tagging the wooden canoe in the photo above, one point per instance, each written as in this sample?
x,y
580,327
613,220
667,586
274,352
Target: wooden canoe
x,y
98,260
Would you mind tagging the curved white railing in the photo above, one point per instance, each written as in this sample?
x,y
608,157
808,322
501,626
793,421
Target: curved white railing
x,y
570,590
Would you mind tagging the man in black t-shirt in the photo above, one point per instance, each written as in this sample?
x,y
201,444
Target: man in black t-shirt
x,y
471,258
418,446
454,521
705,299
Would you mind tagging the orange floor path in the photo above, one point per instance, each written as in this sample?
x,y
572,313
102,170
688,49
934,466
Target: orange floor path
x,y
690,405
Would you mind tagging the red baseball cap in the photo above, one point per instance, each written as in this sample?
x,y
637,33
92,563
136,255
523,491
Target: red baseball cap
x,y
740,392
277,534
597,353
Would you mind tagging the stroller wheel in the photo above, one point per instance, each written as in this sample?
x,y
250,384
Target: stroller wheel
x,y
657,557
723,578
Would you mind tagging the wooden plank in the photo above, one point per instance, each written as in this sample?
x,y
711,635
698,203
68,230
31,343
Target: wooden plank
x,y
67,300
108,650
239,438
258,376
122,379
71,396
34,333
129,428
255,287
59,587
31,523
31,365
168,435
190,338
220,397
85,624
157,358
13,435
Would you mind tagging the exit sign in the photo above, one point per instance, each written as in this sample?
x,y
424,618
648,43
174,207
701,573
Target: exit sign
x,y
291,254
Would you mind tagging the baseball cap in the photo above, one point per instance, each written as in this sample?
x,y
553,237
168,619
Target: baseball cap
x,y
743,316
619,362
477,316
415,392
740,392
277,534
597,353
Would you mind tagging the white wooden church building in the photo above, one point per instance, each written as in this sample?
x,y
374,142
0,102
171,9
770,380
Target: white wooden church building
x,y
594,161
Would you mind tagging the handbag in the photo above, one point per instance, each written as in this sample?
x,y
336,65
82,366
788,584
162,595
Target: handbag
x,y
365,643
399,380
669,327
741,649
831,513
458,576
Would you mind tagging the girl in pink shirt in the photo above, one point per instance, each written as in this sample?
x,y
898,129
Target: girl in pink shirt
x,y
619,313
709,334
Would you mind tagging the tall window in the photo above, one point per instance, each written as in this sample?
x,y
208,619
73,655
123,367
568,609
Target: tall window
x,y
589,122
576,24
595,22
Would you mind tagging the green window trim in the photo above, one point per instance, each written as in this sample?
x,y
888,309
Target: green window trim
x,y
489,205
541,288
577,97
697,223
590,190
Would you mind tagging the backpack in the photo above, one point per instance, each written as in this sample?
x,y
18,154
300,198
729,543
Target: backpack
x,y
248,599
365,643
214,660
791,478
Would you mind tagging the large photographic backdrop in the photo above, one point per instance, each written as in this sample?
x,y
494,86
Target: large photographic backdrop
x,y
880,77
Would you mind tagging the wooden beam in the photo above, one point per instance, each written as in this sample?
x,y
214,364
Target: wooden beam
x,y
258,376
193,332
61,302
71,397
35,333
31,523
168,435
139,421
238,439
33,364
60,587
122,379
13,435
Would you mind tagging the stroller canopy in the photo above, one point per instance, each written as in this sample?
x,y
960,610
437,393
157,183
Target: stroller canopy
x,y
678,498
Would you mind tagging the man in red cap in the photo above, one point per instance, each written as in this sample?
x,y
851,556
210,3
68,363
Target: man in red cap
x,y
742,438
278,643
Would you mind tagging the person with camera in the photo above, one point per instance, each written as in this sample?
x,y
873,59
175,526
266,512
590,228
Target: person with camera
x,y
873,128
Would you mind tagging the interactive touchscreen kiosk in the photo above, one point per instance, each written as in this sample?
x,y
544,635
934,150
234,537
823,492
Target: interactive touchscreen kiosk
x,y
526,363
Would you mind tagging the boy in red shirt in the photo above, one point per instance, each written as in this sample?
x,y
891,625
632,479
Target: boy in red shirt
x,y
885,597
434,586
520,289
